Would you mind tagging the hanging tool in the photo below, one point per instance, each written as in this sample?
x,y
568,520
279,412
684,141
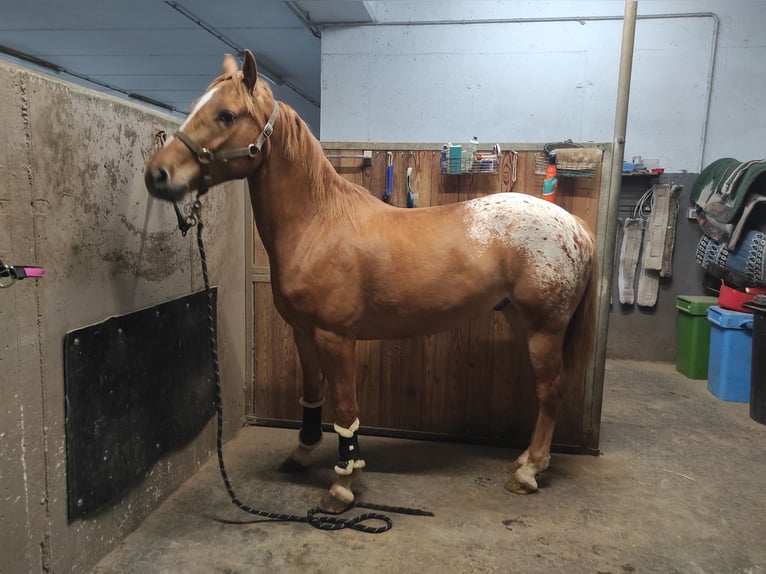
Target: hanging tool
x,y
412,198
389,178
514,165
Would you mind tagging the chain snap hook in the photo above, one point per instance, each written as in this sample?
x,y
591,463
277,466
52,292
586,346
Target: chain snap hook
x,y
196,210
7,278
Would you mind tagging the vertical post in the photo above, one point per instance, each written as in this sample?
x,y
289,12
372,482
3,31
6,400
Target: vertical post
x,y
606,247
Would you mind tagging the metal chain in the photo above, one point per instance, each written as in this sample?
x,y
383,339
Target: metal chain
x,y
312,517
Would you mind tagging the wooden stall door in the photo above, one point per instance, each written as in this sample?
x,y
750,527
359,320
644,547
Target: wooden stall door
x,y
459,384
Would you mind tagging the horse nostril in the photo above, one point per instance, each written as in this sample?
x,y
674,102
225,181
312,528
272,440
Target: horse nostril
x,y
162,175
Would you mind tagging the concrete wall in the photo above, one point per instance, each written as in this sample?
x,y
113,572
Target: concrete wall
x,y
549,81
72,200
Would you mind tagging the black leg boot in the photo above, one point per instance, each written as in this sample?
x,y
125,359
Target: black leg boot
x,y
349,455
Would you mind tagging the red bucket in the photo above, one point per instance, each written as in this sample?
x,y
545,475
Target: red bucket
x,y
732,299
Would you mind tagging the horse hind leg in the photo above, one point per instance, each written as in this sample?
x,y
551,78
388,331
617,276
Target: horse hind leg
x,y
310,435
546,357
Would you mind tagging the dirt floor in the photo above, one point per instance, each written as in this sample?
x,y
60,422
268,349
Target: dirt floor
x,y
680,487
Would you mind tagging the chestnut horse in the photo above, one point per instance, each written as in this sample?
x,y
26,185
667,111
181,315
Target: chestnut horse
x,y
343,267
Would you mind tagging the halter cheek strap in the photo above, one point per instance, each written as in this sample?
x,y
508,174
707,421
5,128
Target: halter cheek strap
x,y
205,156
268,129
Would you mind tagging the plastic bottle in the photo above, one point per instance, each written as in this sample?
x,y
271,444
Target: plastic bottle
x,y
473,147
551,181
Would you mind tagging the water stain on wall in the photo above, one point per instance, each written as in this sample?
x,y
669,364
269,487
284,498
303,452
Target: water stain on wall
x,y
100,194
158,257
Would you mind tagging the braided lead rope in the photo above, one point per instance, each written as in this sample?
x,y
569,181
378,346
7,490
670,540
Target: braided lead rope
x,y
312,518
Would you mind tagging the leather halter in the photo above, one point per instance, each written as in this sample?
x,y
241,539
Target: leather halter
x,y
205,156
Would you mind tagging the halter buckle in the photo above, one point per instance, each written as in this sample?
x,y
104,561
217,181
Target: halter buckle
x,y
205,156
252,150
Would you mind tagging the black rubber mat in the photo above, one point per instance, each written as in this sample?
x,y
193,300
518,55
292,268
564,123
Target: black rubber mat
x,y
136,386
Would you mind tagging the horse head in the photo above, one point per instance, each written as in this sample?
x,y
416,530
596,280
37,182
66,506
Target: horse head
x,y
222,137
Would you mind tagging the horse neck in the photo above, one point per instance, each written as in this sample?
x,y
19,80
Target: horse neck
x,y
281,191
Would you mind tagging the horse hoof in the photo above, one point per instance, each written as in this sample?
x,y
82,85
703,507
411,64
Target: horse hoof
x,y
513,484
291,466
338,499
332,505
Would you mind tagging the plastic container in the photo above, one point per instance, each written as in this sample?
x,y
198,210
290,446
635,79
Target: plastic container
x,y
473,147
731,349
693,335
455,159
551,181
731,298
758,365
469,155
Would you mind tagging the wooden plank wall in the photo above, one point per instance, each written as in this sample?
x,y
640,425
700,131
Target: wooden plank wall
x,y
463,383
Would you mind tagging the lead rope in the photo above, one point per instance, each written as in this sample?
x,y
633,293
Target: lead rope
x,y
321,522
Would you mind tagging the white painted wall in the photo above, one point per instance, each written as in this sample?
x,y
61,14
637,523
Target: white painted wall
x,y
548,81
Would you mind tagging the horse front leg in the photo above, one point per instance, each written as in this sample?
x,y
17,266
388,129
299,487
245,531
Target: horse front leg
x,y
336,355
545,353
310,435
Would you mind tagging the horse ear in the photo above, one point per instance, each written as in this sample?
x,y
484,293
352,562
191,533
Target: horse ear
x,y
229,65
250,70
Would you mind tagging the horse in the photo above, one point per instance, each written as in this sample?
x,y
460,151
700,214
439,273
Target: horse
x,y
343,270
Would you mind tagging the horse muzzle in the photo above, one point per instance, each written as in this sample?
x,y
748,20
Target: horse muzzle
x,y
159,184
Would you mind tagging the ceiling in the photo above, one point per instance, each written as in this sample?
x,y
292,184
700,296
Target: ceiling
x,y
166,51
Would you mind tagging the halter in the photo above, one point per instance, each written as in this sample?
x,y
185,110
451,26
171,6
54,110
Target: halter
x,y
205,157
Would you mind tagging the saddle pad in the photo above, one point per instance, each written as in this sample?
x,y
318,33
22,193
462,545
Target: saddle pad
x,y
747,261
721,190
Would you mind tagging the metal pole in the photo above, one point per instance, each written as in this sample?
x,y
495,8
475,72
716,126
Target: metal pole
x,y
606,247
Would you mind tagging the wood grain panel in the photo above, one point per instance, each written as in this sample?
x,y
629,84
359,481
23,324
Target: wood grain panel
x,y
468,382
479,375
260,257
276,366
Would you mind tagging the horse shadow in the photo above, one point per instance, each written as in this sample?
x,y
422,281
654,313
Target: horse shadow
x,y
386,456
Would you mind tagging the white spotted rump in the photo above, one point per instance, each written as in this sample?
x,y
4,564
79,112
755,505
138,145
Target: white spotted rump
x,y
547,235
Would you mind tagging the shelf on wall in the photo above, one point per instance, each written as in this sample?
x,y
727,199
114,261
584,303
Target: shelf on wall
x,y
641,174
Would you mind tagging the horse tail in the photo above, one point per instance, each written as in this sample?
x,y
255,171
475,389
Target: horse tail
x,y
580,337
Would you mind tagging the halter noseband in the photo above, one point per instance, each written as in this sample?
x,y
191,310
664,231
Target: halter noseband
x,y
205,157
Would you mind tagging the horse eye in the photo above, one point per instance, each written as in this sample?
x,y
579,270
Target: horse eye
x,y
226,117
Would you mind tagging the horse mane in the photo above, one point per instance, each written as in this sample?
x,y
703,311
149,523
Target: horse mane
x,y
328,189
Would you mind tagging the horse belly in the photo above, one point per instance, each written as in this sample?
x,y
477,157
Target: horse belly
x,y
410,323
425,307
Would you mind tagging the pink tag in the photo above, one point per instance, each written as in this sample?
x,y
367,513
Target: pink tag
x,y
34,271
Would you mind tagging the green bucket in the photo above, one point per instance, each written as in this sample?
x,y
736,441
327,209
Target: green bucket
x,y
693,335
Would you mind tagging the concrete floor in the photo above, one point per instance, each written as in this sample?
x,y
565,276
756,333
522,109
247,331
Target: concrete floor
x,y
681,487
